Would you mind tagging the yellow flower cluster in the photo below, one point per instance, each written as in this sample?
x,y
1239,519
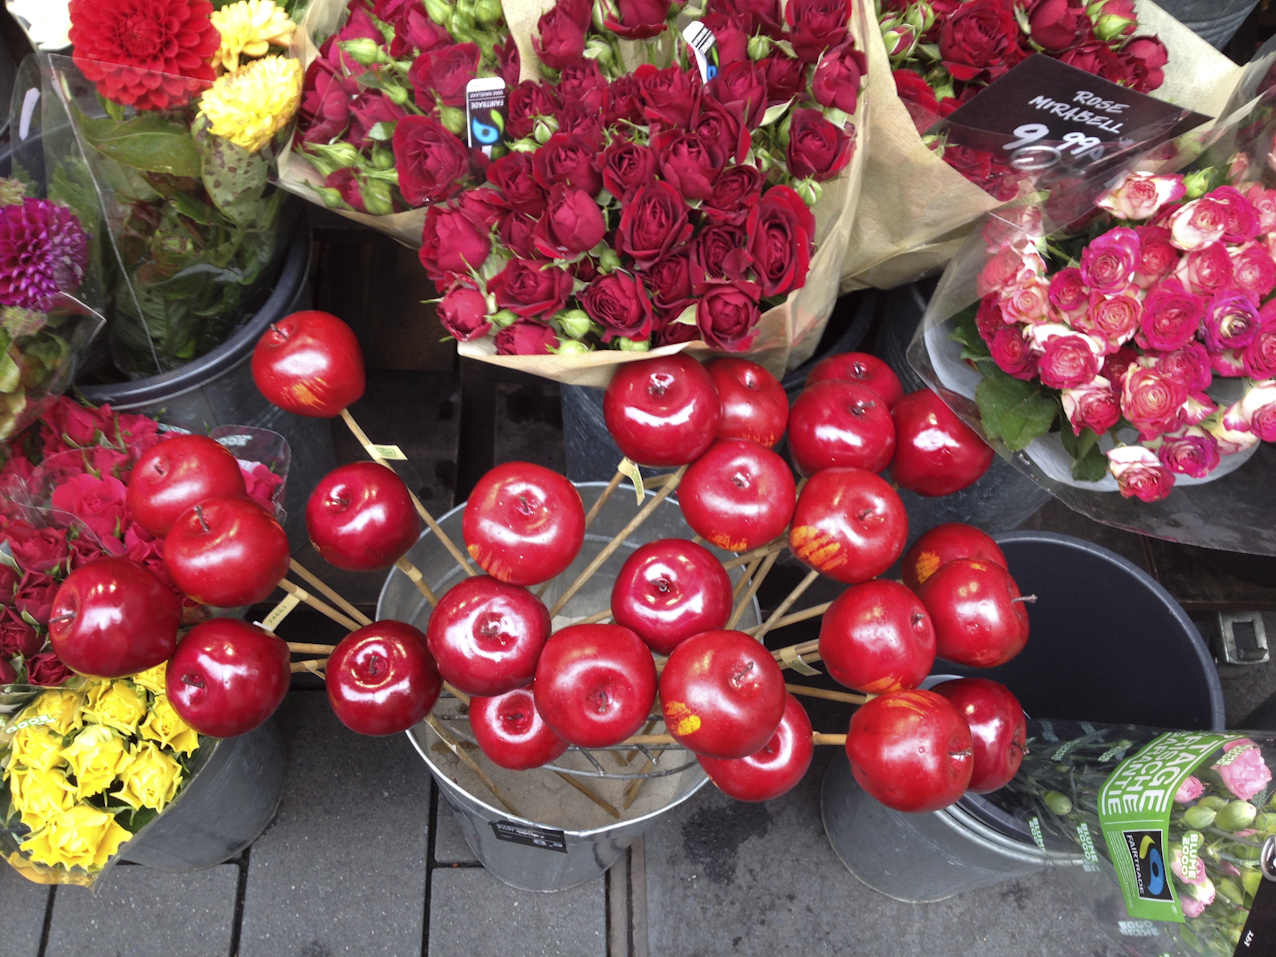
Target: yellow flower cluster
x,y
250,105
248,29
77,758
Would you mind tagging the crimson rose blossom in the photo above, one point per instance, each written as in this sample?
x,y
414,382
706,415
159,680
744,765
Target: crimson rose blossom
x,y
571,224
46,670
1011,353
720,252
1142,59
736,192
452,243
838,77
531,290
346,182
730,40
781,230
817,148
685,164
989,318
626,166
527,101
816,25
653,224
723,135
1171,317
71,425
727,314
1093,405
1231,321
444,73
1152,401
39,550
585,84
567,160
670,97
100,503
1191,452
560,33
512,176
1139,473
742,84
1108,263
526,338
785,78
619,304
16,636
432,163
463,313
669,281
980,40
638,19
1055,25
35,597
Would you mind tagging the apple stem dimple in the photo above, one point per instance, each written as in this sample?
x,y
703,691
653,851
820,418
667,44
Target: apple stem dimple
x,y
194,680
602,702
279,332
1030,599
199,513
738,676
67,617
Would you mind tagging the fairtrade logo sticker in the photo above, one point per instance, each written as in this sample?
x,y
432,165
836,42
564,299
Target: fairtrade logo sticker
x,y
1152,881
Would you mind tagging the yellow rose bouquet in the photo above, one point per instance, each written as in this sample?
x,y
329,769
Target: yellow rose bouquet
x,y
84,768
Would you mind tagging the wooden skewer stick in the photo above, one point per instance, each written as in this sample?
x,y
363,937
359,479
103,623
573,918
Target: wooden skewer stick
x,y
752,590
631,791
602,499
844,696
450,742
762,551
322,587
305,648
743,583
421,510
311,665
571,779
643,514
323,607
805,614
592,619
457,693
816,738
805,649
838,739
415,576
785,605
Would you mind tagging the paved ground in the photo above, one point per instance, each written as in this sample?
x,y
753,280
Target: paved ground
x,y
363,858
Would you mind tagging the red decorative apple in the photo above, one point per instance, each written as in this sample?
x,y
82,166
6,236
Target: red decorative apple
x,y
309,363
836,422
849,525
662,411
997,729
863,369
936,453
911,750
360,517
112,618
754,404
595,684
980,620
486,635
669,590
227,677
877,637
722,694
773,770
511,733
177,473
943,544
523,523
738,495
381,679
226,552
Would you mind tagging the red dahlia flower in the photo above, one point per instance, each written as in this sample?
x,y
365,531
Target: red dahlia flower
x,y
149,54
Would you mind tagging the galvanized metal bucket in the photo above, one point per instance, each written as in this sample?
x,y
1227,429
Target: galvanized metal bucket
x,y
527,854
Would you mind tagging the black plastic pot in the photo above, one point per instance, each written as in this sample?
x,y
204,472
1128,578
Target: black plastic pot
x,y
1003,497
592,455
218,389
1215,21
1107,643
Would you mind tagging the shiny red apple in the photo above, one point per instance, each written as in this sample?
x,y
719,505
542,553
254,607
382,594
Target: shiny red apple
x,y
979,617
523,523
486,635
911,750
663,411
112,618
309,363
738,495
669,590
227,677
722,694
754,404
936,453
226,552
360,517
877,637
511,732
849,525
862,369
837,422
943,544
998,729
774,769
382,679
595,684
177,473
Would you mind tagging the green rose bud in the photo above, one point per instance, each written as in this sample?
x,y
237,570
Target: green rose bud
x,y
543,129
599,49
440,12
382,158
1198,816
609,261
488,12
1197,184
920,16
1229,889
377,197
1213,801
900,41
1108,28
396,94
365,50
331,197
571,347
759,47
809,190
575,323
1237,816
633,345
502,318
453,119
1252,880
1061,804
1266,823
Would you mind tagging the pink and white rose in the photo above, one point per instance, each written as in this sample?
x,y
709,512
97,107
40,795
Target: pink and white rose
x,y
1111,319
1171,316
1190,364
1068,294
1255,411
1240,217
1206,270
1264,201
1152,401
1197,408
1246,775
1253,270
1108,263
1191,451
1094,406
1013,263
1011,353
1231,321
1027,301
1141,195
1157,256
1230,363
1198,223
1230,441
1139,473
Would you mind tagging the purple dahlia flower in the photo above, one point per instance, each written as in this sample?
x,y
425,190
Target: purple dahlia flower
x,y
43,251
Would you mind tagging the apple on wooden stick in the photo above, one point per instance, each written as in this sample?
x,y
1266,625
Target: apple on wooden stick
x,y
773,769
360,517
738,495
754,404
862,369
998,729
511,732
669,590
226,552
179,473
227,677
382,678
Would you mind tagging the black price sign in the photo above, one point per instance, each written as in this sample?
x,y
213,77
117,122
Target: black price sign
x,y
542,837
1047,116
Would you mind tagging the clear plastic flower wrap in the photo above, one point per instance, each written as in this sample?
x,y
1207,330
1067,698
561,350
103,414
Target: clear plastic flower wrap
x,y
1175,829
1103,350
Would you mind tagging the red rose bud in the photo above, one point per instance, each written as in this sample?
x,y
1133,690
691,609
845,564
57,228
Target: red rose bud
x,y
463,313
1093,405
638,19
669,283
531,289
731,42
916,93
782,230
571,224
723,135
1011,353
838,78
526,338
785,78
527,101
727,314
443,74
742,84
512,176
817,148
1097,58
46,670
560,33
16,636
736,192
653,224
979,40
432,163
619,304
720,252
685,163
452,243
1142,59
1055,25
670,97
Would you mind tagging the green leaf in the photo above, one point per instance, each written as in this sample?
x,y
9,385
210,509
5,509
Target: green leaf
x,y
1089,464
235,178
146,142
966,331
1014,411
10,373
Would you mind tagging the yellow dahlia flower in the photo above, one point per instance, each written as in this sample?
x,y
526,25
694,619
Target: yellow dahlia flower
x,y
249,106
248,28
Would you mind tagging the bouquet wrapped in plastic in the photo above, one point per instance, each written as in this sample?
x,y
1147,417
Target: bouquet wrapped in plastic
x,y
1177,830
178,128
